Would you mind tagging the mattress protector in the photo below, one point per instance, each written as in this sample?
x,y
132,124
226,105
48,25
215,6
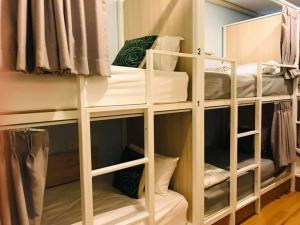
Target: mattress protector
x,y
26,92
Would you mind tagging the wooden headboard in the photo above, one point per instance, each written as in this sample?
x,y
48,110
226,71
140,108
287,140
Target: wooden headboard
x,y
256,40
161,17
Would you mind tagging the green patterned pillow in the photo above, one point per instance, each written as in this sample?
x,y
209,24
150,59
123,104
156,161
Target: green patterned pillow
x,y
128,181
133,52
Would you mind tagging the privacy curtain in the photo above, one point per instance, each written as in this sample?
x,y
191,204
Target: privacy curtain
x,y
26,160
5,216
64,36
289,41
283,142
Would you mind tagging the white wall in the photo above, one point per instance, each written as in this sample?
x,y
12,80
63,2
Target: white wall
x,y
215,18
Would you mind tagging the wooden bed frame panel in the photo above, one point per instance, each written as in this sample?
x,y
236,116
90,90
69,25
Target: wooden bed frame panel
x,y
256,40
173,138
162,17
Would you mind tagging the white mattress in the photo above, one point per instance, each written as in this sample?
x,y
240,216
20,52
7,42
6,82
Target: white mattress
x,y
62,206
125,86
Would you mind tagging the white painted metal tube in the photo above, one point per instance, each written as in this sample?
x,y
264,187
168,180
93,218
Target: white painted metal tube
x,y
85,155
233,142
248,133
246,169
118,167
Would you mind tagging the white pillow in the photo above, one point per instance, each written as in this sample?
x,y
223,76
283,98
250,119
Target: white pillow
x,y
167,43
164,169
271,69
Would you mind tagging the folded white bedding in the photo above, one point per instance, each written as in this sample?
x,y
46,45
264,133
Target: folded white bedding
x,y
214,175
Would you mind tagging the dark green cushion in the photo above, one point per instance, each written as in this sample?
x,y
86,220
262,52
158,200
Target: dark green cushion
x,y
133,52
128,180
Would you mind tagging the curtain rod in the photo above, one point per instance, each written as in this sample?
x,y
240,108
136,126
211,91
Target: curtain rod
x,y
286,3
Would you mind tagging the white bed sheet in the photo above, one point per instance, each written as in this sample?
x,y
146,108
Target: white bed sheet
x,y
62,206
125,86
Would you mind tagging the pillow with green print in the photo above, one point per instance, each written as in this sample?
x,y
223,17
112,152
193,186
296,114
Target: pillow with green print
x,y
133,53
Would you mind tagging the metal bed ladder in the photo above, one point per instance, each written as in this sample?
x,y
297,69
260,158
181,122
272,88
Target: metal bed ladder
x,y
86,172
256,166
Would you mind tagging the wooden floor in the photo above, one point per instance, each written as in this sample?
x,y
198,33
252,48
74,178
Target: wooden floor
x,y
283,211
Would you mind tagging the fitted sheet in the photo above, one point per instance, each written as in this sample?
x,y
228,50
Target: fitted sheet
x,y
218,85
125,86
62,206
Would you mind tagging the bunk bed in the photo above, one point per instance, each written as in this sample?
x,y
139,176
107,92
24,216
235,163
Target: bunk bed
x,y
128,92
84,105
249,177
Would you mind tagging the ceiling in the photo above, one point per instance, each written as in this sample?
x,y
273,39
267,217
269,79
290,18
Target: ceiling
x,y
262,7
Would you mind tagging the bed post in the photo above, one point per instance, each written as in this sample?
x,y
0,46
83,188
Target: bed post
x,y
295,120
85,154
295,106
149,140
233,144
198,127
257,148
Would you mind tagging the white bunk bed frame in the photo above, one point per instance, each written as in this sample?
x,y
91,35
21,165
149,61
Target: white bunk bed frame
x,y
84,115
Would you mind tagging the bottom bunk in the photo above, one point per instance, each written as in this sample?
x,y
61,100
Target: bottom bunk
x,y
62,205
217,194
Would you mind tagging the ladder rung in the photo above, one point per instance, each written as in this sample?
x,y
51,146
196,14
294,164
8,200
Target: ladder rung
x,y
211,219
246,169
242,203
248,133
298,122
120,166
116,108
298,95
298,150
247,100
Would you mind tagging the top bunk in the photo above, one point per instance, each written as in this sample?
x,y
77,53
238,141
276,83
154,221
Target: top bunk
x,y
255,44
28,98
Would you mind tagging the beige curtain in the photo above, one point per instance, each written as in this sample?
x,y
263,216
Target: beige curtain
x,y
283,141
5,216
64,36
289,41
26,159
